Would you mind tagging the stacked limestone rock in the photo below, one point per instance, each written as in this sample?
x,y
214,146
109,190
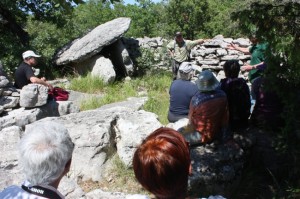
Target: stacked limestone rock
x,y
22,107
9,96
209,55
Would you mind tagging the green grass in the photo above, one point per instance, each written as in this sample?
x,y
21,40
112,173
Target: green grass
x,y
124,176
87,84
158,103
155,85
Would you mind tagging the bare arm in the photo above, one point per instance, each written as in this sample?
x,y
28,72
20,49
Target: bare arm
x,y
201,41
248,67
236,47
40,81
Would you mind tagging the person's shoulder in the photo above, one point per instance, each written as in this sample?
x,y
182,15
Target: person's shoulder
x,y
263,45
23,65
9,190
219,92
171,43
190,41
224,80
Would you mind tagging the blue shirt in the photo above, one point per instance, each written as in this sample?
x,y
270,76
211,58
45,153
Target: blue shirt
x,y
16,192
181,93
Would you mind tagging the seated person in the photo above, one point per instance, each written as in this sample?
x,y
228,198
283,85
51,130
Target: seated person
x,y
238,95
25,75
181,92
268,107
208,115
45,155
162,164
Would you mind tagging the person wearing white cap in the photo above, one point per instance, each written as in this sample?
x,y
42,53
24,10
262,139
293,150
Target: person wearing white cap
x,y
25,75
181,92
208,114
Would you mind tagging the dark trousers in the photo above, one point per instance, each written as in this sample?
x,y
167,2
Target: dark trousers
x,y
175,67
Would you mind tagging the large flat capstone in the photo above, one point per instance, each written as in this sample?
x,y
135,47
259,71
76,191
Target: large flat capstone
x,y
93,42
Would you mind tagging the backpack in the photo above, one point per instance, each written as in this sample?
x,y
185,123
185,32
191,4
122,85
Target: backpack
x,y
58,94
239,102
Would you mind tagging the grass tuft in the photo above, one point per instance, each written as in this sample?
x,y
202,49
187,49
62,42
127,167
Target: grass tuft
x,y
155,85
87,84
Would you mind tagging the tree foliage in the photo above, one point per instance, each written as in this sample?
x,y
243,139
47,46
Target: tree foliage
x,y
89,15
187,16
13,19
220,21
278,23
147,18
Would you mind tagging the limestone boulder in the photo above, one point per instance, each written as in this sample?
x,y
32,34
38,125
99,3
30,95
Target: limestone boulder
x,y
130,133
104,69
33,95
93,42
9,170
3,81
9,102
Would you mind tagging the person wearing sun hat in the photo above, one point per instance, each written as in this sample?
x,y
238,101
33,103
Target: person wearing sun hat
x,y
208,114
181,92
25,74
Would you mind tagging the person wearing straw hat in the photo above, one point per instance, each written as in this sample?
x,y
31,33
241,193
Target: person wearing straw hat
x,y
25,74
181,92
208,114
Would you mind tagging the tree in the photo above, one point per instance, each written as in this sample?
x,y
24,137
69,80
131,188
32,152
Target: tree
x,y
146,18
89,15
220,21
13,18
187,16
13,14
278,23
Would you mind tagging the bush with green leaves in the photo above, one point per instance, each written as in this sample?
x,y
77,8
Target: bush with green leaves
x,y
278,23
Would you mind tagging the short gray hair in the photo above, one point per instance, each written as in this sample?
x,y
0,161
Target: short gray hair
x,y
44,152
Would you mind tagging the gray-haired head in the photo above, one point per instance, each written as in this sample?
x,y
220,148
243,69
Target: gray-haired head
x,y
207,81
185,71
44,151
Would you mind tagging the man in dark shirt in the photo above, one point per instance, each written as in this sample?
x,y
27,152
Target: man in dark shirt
x,y
181,92
25,75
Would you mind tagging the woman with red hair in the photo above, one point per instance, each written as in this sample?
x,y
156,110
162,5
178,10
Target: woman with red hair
x,y
162,164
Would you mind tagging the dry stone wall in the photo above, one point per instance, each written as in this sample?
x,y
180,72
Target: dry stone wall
x,y
210,55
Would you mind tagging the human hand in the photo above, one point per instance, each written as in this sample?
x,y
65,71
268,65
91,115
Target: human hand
x,y
246,67
50,87
43,78
231,46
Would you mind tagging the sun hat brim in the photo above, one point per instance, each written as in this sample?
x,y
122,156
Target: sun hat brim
x,y
207,81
